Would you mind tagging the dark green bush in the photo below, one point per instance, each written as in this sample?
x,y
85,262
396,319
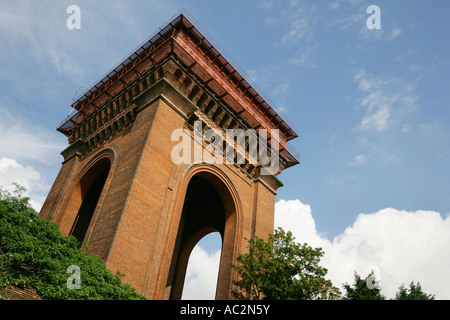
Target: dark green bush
x,y
34,253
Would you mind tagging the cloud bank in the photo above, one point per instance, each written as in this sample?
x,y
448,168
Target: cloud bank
x,y
12,171
399,246
387,100
28,154
201,274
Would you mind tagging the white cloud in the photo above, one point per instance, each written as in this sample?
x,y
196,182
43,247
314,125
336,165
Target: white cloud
x,y
386,100
25,141
300,26
370,35
403,246
386,106
11,171
45,39
298,23
367,34
360,159
355,21
29,156
201,275
39,27
348,22
395,33
377,120
296,216
26,176
400,246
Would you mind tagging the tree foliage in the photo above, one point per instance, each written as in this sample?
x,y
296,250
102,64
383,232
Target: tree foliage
x,y
369,289
34,253
281,269
413,293
363,289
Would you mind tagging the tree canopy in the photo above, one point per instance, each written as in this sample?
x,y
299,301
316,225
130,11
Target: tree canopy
x,y
281,269
413,293
34,253
363,289
369,289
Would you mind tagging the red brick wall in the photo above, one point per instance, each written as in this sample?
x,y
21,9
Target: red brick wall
x,y
135,223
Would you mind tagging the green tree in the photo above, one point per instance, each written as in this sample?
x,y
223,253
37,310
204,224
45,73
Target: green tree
x,y
413,293
363,289
34,253
281,269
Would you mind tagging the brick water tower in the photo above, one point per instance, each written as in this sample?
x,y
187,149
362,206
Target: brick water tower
x,y
135,184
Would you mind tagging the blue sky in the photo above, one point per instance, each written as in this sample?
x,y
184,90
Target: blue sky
x,y
371,106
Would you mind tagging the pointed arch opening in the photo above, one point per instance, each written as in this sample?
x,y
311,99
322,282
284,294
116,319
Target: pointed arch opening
x,y
91,186
209,206
84,200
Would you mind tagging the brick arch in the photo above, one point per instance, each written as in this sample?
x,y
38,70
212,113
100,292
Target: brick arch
x,y
86,197
225,217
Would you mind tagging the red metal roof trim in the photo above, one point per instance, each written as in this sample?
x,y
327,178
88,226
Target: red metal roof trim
x,y
156,48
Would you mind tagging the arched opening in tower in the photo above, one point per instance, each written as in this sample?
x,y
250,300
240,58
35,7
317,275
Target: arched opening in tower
x,y
90,188
203,213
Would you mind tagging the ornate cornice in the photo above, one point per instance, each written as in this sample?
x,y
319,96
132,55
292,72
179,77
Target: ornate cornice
x,y
203,63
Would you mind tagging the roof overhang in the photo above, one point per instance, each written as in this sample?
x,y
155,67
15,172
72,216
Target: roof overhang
x,y
181,38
